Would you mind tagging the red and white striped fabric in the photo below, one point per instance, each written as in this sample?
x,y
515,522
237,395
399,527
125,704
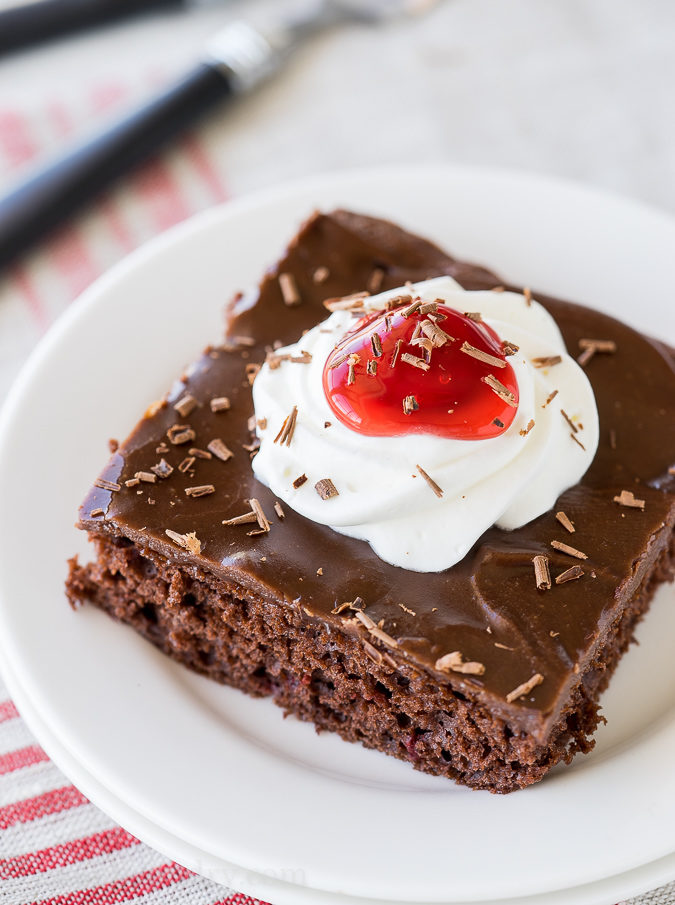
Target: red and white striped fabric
x,y
56,848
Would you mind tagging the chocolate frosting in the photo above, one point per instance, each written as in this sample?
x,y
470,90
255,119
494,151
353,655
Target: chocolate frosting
x,y
487,606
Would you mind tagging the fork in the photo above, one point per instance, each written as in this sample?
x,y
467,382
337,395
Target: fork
x,y
236,60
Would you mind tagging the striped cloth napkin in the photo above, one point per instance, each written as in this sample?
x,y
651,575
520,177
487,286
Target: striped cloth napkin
x,y
56,848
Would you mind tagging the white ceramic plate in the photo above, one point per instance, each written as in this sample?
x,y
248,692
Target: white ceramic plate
x,y
227,776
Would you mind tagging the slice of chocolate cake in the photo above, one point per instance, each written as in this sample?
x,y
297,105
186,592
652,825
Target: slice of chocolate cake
x,y
488,672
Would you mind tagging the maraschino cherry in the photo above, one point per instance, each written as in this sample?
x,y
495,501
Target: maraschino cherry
x,y
422,368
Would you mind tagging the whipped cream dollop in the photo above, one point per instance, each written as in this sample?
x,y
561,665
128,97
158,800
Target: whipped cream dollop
x,y
382,498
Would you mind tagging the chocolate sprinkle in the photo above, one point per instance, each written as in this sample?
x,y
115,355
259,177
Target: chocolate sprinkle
x,y
326,489
468,349
287,430
565,522
570,574
186,405
201,490
627,498
430,481
498,387
525,688
570,551
546,361
410,404
527,429
112,486
299,481
219,404
219,449
180,433
454,662
542,574
289,289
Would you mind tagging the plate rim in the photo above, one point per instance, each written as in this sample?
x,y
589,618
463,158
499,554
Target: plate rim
x,y
230,211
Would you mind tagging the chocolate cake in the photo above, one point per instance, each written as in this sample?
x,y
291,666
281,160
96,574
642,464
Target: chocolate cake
x,y
202,560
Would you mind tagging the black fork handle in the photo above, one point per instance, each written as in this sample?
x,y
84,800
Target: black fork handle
x,y
56,192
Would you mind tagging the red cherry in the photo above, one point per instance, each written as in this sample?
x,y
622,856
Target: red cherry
x,y
421,374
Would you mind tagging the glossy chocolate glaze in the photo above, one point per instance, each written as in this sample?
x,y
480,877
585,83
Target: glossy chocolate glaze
x,y
489,598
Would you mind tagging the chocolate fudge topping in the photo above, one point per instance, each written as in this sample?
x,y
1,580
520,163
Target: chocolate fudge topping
x,y
488,606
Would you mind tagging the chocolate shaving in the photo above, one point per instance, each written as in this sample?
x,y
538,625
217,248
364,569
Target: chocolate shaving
x,y
201,490
495,421
341,359
162,449
96,512
578,441
430,481
415,361
397,349
474,316
429,307
289,289
219,404
354,359
219,449
525,688
326,489
509,348
132,482
570,574
299,481
252,370
527,292
246,519
186,464
570,551
411,309
498,387
612,438
433,332
608,346
627,498
199,453
371,367
180,433
346,302
454,662
527,429
571,423
468,349
112,486
321,274
304,358
406,609
185,405
375,280
260,515
189,542
546,361
287,430
146,476
279,511
565,522
376,344
551,396
397,300
410,405
162,469
542,574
